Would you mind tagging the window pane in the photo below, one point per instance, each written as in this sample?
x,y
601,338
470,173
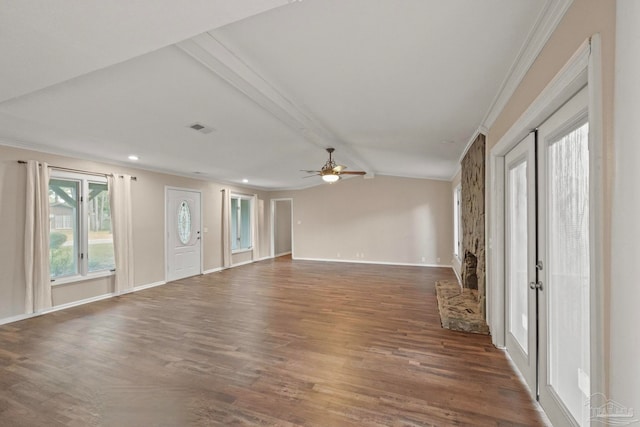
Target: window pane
x,y
568,286
99,223
245,229
517,243
63,234
235,231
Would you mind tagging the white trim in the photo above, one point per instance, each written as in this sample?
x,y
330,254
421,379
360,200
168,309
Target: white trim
x,y
282,254
455,270
241,251
550,17
65,306
596,213
273,226
66,280
251,261
480,131
372,262
148,286
213,270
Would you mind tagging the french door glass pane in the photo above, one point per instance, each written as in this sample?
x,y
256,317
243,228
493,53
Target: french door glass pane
x,y
517,255
568,267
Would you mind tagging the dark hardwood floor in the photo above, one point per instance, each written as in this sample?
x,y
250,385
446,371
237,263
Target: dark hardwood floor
x,y
279,342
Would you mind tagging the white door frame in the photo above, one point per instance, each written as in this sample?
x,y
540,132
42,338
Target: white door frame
x,y
167,188
584,67
273,225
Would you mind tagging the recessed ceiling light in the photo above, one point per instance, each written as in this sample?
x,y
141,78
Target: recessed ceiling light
x,y
446,141
133,157
245,180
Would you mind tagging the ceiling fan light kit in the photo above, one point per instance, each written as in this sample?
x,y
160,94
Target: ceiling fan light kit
x,y
330,178
331,171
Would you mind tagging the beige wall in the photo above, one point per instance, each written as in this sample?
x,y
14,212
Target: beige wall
x,y
148,194
583,19
384,219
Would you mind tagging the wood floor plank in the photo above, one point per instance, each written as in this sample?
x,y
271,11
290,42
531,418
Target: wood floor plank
x,y
274,343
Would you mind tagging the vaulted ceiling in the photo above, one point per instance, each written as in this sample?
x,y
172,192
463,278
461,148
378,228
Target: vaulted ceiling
x,y
398,87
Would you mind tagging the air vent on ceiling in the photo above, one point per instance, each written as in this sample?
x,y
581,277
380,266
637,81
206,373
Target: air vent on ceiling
x,y
201,128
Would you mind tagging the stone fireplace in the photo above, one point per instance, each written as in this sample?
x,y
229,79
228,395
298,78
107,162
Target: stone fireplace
x,y
473,219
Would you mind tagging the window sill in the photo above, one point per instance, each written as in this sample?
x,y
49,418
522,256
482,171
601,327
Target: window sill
x,y
76,279
241,251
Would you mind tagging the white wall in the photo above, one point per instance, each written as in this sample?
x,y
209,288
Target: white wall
x,y
625,249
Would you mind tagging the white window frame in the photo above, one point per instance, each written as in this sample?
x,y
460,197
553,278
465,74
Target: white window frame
x,y
83,227
457,222
238,217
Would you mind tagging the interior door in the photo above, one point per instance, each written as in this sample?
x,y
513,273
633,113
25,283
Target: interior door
x,y
520,256
183,234
563,227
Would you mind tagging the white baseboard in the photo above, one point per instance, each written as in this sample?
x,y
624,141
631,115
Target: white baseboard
x,y
359,261
455,270
18,318
77,303
150,285
282,254
213,270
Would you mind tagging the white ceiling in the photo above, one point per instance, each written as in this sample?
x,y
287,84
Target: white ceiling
x,y
385,82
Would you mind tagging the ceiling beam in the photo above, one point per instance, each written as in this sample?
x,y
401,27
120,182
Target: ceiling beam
x,y
226,64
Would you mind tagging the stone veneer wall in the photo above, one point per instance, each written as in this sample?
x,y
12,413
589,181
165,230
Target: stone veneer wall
x,y
473,220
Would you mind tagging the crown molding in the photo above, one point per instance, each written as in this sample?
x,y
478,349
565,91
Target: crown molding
x,y
548,20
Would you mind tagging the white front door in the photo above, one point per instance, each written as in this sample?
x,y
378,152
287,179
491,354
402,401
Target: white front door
x,y
520,259
184,243
564,299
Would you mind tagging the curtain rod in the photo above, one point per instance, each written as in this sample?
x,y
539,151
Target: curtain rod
x,y
78,170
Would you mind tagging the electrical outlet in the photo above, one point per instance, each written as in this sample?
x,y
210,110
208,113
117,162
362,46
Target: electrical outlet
x,y
424,259
438,260
338,255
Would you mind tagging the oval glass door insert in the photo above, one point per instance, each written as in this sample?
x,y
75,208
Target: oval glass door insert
x,y
184,223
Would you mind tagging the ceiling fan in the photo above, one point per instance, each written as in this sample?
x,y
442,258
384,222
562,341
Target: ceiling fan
x,y
331,172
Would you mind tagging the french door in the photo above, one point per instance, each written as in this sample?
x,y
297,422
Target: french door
x,y
520,259
547,262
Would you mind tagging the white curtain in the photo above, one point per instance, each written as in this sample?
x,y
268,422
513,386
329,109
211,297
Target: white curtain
x,y
122,227
36,239
258,207
226,228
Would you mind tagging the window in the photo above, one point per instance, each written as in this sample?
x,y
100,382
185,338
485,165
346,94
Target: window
x,y
241,223
457,222
81,241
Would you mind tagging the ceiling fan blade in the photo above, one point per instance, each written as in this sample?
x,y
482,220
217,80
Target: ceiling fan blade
x,y
339,168
311,176
308,171
353,173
